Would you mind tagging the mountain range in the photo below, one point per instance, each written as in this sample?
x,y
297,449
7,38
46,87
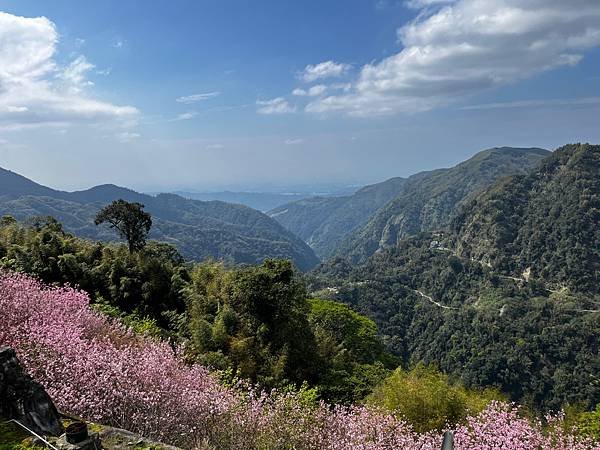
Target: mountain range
x,y
380,215
214,229
506,292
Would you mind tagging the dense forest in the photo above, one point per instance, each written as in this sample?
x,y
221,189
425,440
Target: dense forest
x,y
199,230
540,348
429,200
543,224
464,298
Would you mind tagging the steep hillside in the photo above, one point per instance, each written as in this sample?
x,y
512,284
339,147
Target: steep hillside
x,y
506,295
482,327
543,226
323,222
428,200
234,233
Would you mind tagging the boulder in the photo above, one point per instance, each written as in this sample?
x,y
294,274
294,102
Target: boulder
x,y
23,399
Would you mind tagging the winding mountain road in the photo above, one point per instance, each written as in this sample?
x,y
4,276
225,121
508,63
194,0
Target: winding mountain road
x,y
427,297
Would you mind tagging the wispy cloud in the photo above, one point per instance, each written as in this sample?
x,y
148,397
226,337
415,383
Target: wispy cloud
x,y
294,141
184,116
74,75
229,107
195,98
277,105
585,101
313,91
326,69
16,109
214,147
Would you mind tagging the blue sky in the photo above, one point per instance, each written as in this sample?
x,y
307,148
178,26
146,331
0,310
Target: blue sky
x,y
177,94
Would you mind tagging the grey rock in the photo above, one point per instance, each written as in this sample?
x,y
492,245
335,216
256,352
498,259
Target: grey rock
x,y
91,443
23,399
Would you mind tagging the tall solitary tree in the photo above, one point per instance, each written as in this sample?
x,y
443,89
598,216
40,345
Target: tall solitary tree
x,y
129,219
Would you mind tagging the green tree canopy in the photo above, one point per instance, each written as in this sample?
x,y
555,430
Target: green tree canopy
x,y
129,219
427,399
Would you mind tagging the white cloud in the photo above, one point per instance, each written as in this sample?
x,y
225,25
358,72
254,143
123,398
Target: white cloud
x,y
466,47
277,105
16,109
294,141
184,116
342,86
195,98
317,90
74,74
105,72
35,90
314,91
327,69
229,107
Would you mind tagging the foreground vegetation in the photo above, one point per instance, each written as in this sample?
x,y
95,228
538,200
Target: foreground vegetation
x,y
98,369
253,323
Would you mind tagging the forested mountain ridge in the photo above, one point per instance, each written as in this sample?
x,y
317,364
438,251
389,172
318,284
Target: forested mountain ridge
x,y
507,295
234,233
323,222
544,225
428,200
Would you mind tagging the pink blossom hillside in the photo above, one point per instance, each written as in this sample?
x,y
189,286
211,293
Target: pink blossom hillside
x,y
99,370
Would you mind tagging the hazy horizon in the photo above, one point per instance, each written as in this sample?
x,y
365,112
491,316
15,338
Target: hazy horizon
x,y
318,187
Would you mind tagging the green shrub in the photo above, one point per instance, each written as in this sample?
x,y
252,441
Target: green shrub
x,y
427,399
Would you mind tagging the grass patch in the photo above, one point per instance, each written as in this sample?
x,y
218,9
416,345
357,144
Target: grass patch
x,y
13,437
